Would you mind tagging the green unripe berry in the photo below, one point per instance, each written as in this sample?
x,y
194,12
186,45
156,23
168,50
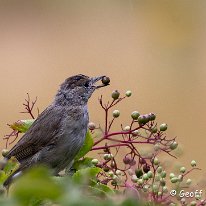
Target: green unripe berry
x,y
134,178
155,188
193,163
172,175
189,181
165,189
118,172
4,152
174,180
142,119
95,161
193,203
159,169
128,93
154,130
163,174
111,173
146,188
115,94
116,113
163,127
162,182
156,161
91,125
150,174
106,156
145,177
140,182
135,115
157,178
159,193
182,169
173,145
114,177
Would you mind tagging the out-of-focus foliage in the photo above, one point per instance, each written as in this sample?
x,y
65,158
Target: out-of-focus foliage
x,y
38,187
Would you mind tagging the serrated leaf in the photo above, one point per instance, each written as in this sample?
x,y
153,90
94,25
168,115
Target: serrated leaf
x,y
88,143
85,175
82,164
22,125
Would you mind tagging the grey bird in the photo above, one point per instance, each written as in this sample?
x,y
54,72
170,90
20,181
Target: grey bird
x,y
59,132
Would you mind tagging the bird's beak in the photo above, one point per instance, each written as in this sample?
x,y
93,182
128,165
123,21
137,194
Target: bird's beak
x,y
94,80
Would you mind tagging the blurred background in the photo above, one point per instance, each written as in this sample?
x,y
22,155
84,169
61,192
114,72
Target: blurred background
x,y
156,49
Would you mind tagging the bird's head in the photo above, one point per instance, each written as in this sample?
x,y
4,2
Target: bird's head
x,y
79,88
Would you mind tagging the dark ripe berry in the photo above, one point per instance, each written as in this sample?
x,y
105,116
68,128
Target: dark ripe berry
x,y
114,183
132,163
146,168
142,161
105,80
106,169
127,160
138,173
152,116
115,94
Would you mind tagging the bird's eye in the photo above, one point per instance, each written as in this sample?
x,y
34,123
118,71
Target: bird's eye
x,y
86,84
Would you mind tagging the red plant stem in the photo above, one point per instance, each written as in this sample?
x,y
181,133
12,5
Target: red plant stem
x,y
106,122
196,168
108,146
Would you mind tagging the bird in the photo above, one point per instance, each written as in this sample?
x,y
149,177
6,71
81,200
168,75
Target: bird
x,y
59,131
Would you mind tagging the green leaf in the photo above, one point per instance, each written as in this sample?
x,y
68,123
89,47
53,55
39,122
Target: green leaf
x,y
3,177
11,165
84,176
22,125
88,143
101,189
36,185
82,164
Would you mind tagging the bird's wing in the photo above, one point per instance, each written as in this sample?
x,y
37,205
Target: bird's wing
x,y
43,132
